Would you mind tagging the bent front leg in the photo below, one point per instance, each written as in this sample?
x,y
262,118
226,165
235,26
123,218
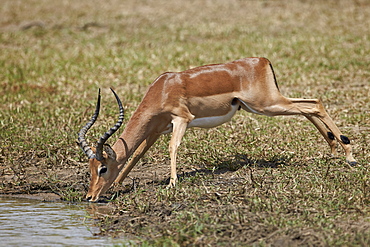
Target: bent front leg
x,y
139,152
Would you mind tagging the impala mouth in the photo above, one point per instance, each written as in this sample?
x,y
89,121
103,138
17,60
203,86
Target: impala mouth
x,y
92,199
100,199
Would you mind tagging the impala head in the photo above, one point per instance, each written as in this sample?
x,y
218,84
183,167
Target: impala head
x,y
102,158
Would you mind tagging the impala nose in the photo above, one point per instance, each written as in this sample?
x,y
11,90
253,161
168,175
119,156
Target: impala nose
x,y
88,198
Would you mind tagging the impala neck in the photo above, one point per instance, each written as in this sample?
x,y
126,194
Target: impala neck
x,y
137,130
127,143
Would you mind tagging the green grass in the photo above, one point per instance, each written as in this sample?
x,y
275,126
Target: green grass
x,y
261,180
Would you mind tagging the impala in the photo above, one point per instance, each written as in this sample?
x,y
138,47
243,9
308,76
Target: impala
x,y
206,97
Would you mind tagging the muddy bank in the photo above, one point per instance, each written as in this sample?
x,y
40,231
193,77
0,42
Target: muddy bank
x,y
45,197
238,200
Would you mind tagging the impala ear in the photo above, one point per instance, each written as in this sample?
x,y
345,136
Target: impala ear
x,y
109,152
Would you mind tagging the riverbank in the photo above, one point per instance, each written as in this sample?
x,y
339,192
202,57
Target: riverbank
x,y
33,222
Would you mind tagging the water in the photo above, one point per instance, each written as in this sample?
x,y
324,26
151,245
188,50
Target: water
x,y
25,222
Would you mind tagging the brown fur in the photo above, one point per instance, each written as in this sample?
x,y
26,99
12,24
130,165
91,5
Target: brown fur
x,y
203,96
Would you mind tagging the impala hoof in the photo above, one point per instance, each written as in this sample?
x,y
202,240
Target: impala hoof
x,y
172,184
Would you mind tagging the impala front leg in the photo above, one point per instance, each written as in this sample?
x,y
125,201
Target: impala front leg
x,y
179,126
140,151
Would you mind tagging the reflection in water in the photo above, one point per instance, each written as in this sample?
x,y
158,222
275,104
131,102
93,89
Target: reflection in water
x,y
26,222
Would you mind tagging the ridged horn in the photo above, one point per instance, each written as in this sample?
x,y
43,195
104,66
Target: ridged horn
x,y
81,134
111,131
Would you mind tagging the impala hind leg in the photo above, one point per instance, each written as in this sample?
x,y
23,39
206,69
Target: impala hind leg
x,y
325,132
314,110
179,127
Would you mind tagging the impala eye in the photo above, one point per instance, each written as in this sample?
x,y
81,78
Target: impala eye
x,y
102,170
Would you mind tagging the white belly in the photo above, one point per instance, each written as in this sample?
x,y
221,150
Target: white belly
x,y
213,121
208,122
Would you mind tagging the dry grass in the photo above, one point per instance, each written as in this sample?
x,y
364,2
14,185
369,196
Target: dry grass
x,y
253,181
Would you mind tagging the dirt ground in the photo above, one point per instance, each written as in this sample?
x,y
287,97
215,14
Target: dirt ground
x,y
139,212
